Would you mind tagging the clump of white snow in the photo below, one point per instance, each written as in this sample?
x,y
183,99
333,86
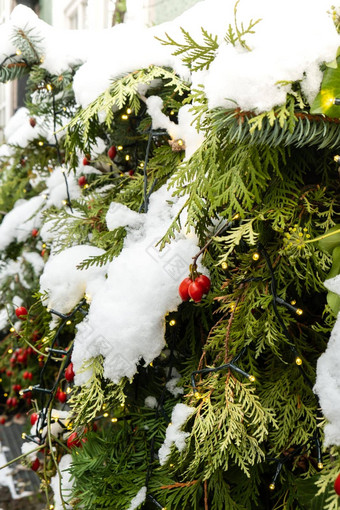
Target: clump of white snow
x,y
66,484
27,448
327,385
138,499
125,323
171,385
151,402
174,435
184,129
65,284
17,225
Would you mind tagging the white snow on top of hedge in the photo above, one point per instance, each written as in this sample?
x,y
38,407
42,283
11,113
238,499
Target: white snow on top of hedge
x,y
289,43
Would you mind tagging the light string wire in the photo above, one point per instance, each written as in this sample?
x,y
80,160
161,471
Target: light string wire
x,y
160,410
58,147
276,300
41,423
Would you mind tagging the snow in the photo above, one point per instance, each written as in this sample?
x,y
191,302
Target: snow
x,y
249,79
64,283
66,483
6,476
327,385
171,385
17,225
27,448
184,129
125,322
151,402
19,132
138,499
57,188
174,435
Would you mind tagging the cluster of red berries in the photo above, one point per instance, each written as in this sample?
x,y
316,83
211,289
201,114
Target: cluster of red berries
x,y
194,288
27,375
20,356
12,402
74,441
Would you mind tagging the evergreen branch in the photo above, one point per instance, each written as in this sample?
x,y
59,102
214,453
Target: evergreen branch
x,y
198,56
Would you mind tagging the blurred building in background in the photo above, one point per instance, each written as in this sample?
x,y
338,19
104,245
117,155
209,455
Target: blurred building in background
x,y
83,14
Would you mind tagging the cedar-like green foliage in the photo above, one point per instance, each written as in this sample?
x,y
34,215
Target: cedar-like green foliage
x,y
259,193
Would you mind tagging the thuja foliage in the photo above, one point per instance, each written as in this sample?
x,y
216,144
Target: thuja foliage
x,y
259,193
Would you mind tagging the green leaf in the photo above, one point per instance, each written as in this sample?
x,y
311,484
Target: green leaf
x,y
334,299
329,243
330,89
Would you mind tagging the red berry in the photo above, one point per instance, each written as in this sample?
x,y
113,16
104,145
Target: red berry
x,y
30,376
69,373
35,335
33,122
21,312
16,387
62,397
9,402
112,152
34,418
183,289
73,440
205,282
196,291
21,358
337,485
14,401
131,172
27,396
35,232
9,373
35,465
82,180
86,161
2,420
43,251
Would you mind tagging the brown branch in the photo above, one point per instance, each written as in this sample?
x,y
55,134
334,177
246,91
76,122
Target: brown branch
x,y
206,495
178,484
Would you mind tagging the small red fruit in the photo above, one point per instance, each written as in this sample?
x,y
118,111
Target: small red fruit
x,y
112,152
32,121
34,418
35,232
43,251
9,373
205,282
82,181
21,312
14,401
86,161
131,172
69,373
2,420
35,465
196,291
62,396
9,402
183,289
337,485
30,376
73,440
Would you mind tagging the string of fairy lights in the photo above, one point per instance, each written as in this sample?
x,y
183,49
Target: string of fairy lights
x,y
48,394
233,364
